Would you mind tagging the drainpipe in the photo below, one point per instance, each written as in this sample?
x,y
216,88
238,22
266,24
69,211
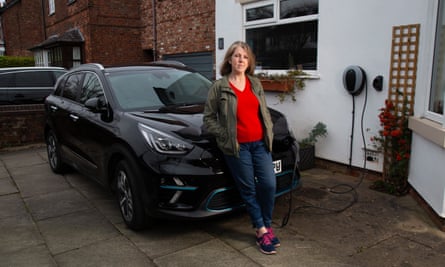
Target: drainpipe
x,y
153,3
43,20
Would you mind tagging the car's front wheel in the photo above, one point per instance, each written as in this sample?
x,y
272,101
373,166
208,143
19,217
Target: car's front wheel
x,y
53,150
129,196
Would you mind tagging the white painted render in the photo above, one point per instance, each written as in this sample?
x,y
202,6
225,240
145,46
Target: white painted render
x,y
356,32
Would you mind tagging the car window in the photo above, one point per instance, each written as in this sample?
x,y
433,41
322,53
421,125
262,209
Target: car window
x,y
72,86
34,79
7,80
157,88
91,88
57,74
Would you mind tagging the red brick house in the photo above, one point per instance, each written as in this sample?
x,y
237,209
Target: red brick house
x,y
110,32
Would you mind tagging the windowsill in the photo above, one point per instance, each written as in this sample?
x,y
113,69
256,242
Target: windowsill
x,y
430,130
246,1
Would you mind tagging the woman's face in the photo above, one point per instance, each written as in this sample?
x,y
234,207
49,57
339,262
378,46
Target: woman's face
x,y
239,61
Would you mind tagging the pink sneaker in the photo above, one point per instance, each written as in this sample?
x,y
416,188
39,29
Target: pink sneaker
x,y
273,239
265,244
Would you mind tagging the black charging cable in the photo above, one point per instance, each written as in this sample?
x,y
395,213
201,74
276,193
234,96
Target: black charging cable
x,y
341,188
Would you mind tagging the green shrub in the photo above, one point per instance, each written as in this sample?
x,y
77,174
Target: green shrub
x,y
9,61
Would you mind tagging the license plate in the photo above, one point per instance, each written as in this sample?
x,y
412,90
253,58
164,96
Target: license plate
x,y
277,166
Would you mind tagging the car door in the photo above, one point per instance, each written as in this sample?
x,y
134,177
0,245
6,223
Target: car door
x,y
94,128
64,112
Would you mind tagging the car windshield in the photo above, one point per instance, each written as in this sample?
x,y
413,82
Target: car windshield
x,y
157,88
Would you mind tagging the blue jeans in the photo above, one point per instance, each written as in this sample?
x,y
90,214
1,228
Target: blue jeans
x,y
255,179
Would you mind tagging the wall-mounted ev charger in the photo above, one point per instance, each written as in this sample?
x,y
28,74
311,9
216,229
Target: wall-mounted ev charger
x,y
354,79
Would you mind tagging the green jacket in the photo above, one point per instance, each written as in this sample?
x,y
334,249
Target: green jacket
x,y
220,115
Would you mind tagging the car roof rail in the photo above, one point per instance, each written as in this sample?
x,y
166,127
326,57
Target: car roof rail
x,y
168,63
93,65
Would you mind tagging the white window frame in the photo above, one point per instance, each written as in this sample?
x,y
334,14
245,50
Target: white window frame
x,y
51,7
428,124
275,21
260,4
439,118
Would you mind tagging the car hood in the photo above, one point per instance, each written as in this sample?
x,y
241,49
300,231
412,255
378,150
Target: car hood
x,y
185,121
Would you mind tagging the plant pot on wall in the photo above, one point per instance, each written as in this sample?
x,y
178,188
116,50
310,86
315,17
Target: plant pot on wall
x,y
278,85
307,158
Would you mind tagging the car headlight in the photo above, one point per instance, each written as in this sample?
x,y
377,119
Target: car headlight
x,y
163,142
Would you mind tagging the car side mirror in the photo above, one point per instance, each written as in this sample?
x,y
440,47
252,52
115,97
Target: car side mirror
x,y
96,104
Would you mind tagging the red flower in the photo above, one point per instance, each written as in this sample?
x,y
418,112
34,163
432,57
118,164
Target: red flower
x,y
396,133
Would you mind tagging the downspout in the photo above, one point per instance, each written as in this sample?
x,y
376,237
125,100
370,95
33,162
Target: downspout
x,y
43,20
153,3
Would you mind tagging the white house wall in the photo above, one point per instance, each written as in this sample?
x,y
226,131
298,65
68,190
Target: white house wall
x,y
351,32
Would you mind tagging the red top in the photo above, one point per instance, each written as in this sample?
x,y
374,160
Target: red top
x,y
249,128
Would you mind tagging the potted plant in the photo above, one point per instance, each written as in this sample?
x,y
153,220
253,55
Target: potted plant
x,y
307,146
286,84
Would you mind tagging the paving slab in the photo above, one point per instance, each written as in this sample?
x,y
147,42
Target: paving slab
x,y
3,172
17,233
30,256
211,253
117,251
75,230
7,186
12,205
166,238
56,204
23,158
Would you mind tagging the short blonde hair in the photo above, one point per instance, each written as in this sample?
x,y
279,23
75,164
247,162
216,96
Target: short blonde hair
x,y
226,68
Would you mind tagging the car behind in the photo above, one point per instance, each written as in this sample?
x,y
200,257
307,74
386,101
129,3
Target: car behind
x,y
27,85
138,130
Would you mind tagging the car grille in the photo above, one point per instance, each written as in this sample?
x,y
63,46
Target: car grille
x,y
224,199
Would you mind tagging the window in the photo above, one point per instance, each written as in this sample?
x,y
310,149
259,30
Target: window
x,y
283,33
34,79
51,7
55,56
436,103
72,86
91,87
77,59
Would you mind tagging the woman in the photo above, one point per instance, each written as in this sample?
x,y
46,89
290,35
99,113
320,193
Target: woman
x,y
236,114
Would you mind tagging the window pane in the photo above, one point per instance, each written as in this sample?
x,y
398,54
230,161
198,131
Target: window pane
x,y
91,88
257,13
34,79
285,46
296,8
72,87
438,89
52,7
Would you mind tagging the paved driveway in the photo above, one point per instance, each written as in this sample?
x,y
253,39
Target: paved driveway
x,y
52,220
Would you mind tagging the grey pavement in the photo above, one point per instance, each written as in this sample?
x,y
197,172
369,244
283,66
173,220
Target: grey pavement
x,y
53,220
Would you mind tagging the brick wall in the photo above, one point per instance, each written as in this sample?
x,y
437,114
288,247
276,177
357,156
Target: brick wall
x,y
21,125
116,32
22,27
185,26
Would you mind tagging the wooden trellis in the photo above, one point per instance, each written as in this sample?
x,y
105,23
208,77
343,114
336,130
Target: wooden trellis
x,y
402,78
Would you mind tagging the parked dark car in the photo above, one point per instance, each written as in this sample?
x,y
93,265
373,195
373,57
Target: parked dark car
x,y
27,85
139,131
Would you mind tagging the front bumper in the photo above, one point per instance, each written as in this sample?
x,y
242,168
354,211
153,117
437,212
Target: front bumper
x,y
212,191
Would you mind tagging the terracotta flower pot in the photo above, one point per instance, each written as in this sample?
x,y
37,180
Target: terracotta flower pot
x,y
277,85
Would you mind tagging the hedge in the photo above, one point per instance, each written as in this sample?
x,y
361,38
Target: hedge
x,y
9,61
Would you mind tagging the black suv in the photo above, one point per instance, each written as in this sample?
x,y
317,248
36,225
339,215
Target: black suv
x,y
139,130
27,85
